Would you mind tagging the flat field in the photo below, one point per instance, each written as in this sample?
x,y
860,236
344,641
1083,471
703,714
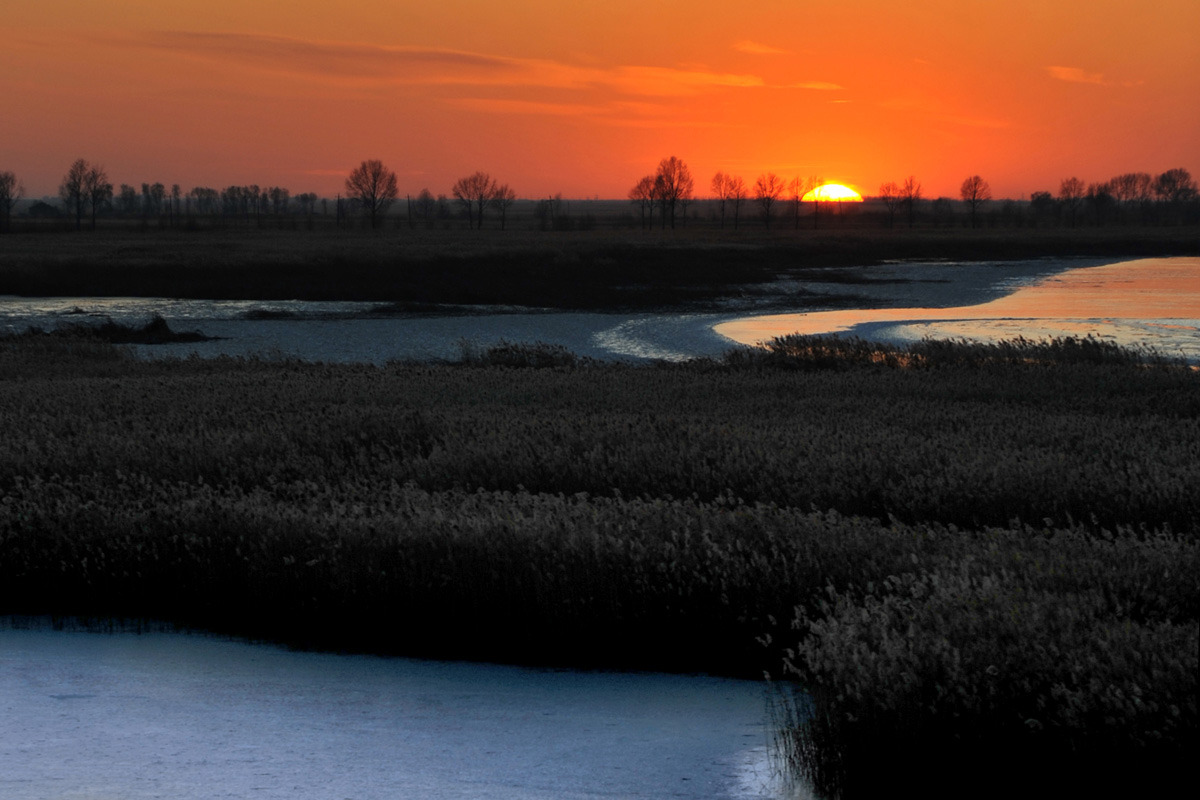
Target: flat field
x,y
596,269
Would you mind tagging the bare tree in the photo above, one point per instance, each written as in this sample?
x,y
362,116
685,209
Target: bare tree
x,y
673,182
73,190
720,190
975,191
767,190
374,186
797,188
502,199
737,196
1070,194
910,194
1130,189
1175,186
889,193
10,192
97,190
474,192
642,195
85,185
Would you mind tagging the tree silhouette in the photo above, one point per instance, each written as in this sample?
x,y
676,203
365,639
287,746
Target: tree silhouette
x,y
85,185
797,187
73,191
1070,194
673,182
975,191
910,194
737,196
374,186
98,190
1175,186
1129,189
720,190
10,192
503,198
767,189
892,199
474,192
642,195
730,190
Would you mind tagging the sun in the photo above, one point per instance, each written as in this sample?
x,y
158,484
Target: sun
x,y
833,192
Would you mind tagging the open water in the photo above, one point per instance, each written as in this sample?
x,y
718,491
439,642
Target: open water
x,y
1152,302
98,716
1147,301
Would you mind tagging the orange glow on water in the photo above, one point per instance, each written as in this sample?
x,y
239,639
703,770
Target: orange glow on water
x,y
1157,294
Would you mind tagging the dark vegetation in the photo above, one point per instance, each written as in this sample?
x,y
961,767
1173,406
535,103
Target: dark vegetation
x,y
592,270
980,562
155,331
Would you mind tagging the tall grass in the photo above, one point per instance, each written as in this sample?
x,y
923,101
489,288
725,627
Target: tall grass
x,y
964,557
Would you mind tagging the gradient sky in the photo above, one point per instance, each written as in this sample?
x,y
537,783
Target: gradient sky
x,y
583,98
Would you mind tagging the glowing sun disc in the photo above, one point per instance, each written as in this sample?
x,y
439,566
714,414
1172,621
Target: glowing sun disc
x,y
829,192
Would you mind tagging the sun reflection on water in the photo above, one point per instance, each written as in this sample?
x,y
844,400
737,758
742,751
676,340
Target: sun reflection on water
x,y
1153,302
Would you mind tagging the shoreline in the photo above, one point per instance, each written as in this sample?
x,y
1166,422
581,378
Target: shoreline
x,y
1133,302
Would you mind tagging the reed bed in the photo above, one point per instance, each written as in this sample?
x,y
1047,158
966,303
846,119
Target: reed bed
x,y
962,556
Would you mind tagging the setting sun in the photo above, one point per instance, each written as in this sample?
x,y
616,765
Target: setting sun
x,y
830,192
577,100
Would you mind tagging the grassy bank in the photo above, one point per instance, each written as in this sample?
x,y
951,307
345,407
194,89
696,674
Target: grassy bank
x,y
963,553
580,270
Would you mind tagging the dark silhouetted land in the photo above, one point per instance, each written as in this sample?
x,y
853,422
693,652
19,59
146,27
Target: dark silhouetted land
x,y
575,270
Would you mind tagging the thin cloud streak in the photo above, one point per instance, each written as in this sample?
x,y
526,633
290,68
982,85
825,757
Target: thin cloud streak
x,y
427,66
524,107
759,49
817,86
1077,75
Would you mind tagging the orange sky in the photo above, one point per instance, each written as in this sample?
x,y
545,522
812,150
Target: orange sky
x,y
584,98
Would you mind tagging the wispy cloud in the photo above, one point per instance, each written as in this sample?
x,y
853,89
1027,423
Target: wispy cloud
x,y
664,80
1077,75
493,105
758,49
818,86
369,63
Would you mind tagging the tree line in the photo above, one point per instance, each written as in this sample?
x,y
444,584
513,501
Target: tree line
x,y
1167,197
661,199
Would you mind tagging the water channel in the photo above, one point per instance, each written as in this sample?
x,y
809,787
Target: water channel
x,y
1144,301
160,715
124,716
